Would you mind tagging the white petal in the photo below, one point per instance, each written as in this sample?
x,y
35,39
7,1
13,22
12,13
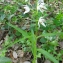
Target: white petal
x,y
43,24
41,21
27,9
41,6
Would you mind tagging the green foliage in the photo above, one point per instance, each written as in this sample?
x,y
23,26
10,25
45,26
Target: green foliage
x,y
48,55
24,33
5,60
33,39
33,45
23,28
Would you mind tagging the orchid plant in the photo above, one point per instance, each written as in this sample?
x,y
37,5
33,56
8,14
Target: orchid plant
x,y
42,34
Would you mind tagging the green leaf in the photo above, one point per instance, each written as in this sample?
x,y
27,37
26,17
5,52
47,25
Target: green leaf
x,y
2,16
50,34
16,41
33,42
59,16
24,33
43,40
34,47
48,55
5,60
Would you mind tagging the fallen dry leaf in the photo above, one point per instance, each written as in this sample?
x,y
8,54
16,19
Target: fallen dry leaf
x,y
27,62
14,54
61,44
47,61
20,53
16,46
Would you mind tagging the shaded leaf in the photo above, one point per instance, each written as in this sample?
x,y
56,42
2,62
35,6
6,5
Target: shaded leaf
x,y
24,33
5,60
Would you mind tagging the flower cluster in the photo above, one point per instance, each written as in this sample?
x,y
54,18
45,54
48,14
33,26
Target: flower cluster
x,y
41,6
27,9
41,21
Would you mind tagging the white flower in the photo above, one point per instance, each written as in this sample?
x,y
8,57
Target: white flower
x,y
41,21
41,6
27,9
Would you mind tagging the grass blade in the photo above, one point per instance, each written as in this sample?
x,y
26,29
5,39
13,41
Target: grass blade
x,y
48,55
24,33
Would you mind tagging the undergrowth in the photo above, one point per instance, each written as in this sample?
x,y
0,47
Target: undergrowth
x,y
26,22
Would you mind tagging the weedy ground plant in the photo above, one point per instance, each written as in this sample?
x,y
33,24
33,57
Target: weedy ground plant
x,y
36,25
